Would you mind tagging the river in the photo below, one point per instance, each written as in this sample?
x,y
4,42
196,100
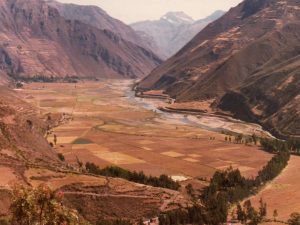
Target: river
x,y
209,122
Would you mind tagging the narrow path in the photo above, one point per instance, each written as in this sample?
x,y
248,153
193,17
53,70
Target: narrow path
x,y
105,195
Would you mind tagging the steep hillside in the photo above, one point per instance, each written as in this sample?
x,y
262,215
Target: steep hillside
x,y
174,30
36,41
98,18
22,139
237,58
271,96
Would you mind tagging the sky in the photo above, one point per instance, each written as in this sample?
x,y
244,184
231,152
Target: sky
x,y
130,11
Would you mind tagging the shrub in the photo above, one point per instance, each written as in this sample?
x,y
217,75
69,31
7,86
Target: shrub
x,y
61,157
41,206
294,219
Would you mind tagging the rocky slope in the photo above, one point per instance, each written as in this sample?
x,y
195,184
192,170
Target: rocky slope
x,y
22,144
174,30
36,41
98,18
247,61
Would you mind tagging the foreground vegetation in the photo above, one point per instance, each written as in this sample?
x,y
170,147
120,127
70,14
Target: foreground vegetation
x,y
138,177
41,206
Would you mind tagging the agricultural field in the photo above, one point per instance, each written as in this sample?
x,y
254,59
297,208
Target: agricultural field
x,y
110,127
282,194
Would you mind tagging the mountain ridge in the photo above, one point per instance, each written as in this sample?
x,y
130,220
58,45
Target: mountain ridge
x,y
99,18
240,48
36,41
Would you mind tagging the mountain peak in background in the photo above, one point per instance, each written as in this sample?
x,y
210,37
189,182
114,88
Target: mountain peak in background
x,y
177,18
173,30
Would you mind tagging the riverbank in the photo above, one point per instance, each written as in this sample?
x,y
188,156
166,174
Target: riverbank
x,y
201,116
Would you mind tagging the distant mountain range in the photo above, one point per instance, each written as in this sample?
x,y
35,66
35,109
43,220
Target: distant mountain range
x,y
173,30
248,62
51,40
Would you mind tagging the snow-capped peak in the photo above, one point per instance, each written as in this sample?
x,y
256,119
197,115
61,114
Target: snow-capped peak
x,y
178,18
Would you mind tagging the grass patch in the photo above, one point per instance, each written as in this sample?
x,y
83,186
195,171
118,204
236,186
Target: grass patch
x,y
82,141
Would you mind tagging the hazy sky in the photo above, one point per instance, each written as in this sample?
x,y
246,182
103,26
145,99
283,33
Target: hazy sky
x,y
135,10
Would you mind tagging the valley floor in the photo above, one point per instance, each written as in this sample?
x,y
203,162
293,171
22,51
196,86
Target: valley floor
x,y
108,127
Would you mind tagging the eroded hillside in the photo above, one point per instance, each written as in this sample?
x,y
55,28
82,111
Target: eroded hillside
x,y
36,41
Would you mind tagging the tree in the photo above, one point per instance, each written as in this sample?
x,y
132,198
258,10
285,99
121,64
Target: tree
x,y
294,219
61,157
251,213
19,85
190,190
262,209
239,138
275,214
255,219
241,215
41,206
55,139
80,164
141,222
254,138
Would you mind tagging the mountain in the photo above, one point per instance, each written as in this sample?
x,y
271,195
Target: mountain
x,y
174,30
247,62
98,18
36,41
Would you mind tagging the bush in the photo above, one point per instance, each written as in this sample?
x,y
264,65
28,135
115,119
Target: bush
x,y
61,157
294,219
4,221
19,85
41,206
